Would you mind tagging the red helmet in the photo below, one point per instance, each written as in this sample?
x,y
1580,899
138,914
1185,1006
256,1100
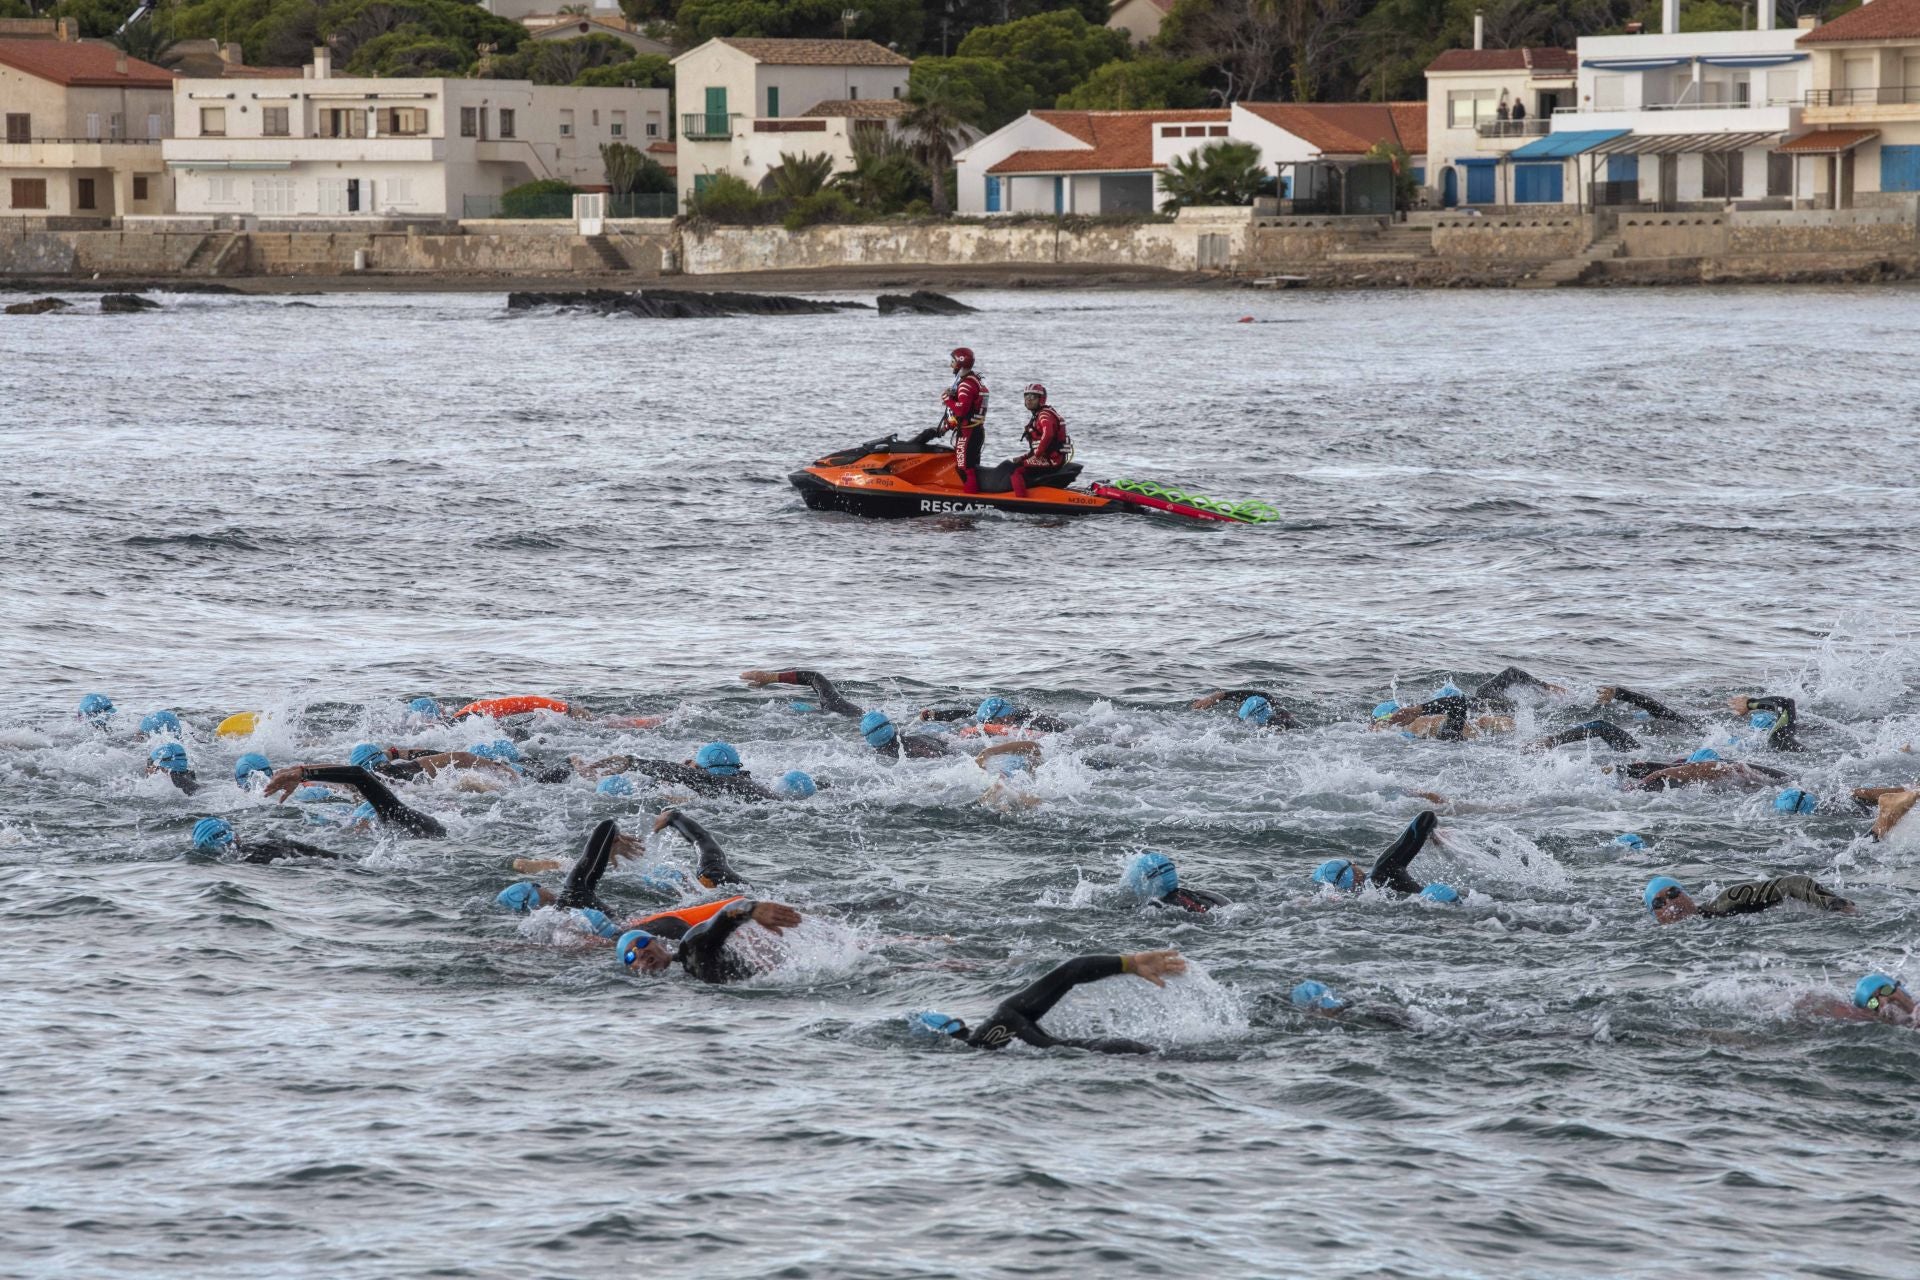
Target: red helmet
x,y
964,355
1035,389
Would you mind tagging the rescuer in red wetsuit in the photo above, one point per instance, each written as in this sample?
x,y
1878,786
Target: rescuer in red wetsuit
x,y
1046,435
966,417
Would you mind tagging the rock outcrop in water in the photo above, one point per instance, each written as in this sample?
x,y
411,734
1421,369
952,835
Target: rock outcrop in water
x,y
674,304
126,304
38,307
922,302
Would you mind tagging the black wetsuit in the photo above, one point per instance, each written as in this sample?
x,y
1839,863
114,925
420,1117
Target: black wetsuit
x,y
1282,718
268,848
1493,694
702,781
1390,871
1638,770
1614,736
916,746
1198,901
385,804
1022,717
184,782
1750,896
830,699
1783,736
1658,711
582,888
1018,1017
703,952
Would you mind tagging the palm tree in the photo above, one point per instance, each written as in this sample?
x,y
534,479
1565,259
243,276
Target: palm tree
x,y
932,120
1224,173
797,177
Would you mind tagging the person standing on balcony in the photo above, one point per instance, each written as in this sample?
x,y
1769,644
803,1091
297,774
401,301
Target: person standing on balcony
x,y
1505,110
1519,114
966,417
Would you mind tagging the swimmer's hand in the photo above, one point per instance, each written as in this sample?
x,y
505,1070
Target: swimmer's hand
x,y
1738,702
1555,688
774,916
1157,966
1431,797
758,678
1208,700
1405,715
285,782
533,866
1604,694
660,823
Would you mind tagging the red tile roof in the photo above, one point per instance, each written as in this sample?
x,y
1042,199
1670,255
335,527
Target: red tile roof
x,y
1826,142
1540,61
1117,141
1349,128
1881,20
91,66
816,53
859,108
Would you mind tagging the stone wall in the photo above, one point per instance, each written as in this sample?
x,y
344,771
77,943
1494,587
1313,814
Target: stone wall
x,y
1295,242
1516,238
1757,232
1674,235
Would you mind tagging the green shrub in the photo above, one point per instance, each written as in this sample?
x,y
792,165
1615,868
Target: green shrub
x,y
727,199
535,199
828,205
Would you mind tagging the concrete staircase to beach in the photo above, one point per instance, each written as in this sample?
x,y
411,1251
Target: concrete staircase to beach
x,y
608,253
1395,243
211,255
1574,270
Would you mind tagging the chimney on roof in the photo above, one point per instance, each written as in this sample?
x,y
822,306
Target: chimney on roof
x,y
322,62
232,55
1670,17
1479,29
66,32
1809,22
119,62
1767,8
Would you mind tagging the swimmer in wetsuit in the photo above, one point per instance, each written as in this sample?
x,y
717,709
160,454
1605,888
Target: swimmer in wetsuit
x,y
605,849
830,699
1254,707
1889,805
1154,881
1670,902
216,835
702,951
386,806
714,771
1389,871
170,758
1780,717
1018,1016
997,713
1703,768
1444,716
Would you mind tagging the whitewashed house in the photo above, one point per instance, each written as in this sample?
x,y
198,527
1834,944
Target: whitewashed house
x,y
1471,97
84,124
339,147
1862,144
745,101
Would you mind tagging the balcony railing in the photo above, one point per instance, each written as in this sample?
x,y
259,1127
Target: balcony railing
x,y
11,140
1530,127
1680,106
704,126
1884,95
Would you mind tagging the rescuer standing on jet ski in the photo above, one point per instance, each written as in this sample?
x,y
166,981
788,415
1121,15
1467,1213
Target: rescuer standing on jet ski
x,y
1046,435
966,417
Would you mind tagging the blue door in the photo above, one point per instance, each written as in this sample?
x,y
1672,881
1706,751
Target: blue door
x,y
1899,168
1537,183
993,195
1059,195
1480,184
1623,168
1449,189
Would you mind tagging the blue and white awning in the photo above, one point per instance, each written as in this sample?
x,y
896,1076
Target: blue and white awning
x,y
1571,142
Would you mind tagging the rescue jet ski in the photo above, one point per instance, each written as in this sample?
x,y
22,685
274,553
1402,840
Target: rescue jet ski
x,y
890,478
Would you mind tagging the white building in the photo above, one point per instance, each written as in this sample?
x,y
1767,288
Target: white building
x,y
1471,99
336,147
1863,110
745,101
84,125
1102,162
1670,120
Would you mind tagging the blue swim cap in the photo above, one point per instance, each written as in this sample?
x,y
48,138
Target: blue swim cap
x,y
1703,755
363,812
1385,709
995,708
1448,690
1873,985
1315,995
631,944
424,706
1657,886
170,756
802,706
248,765
1794,800
96,707
877,729
797,784
1337,872
1437,892
1628,840
524,896
718,757
1150,876
159,721
1763,719
1641,713
314,795
617,785
1256,710
665,880
365,754
939,1024
212,833
503,749
1008,763
595,921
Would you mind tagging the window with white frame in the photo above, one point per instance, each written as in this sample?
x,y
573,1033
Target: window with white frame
x,y
566,124
399,191
213,122
273,196
617,127
1469,107
220,189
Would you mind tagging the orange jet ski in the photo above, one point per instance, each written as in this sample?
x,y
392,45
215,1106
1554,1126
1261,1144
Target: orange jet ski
x,y
890,478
